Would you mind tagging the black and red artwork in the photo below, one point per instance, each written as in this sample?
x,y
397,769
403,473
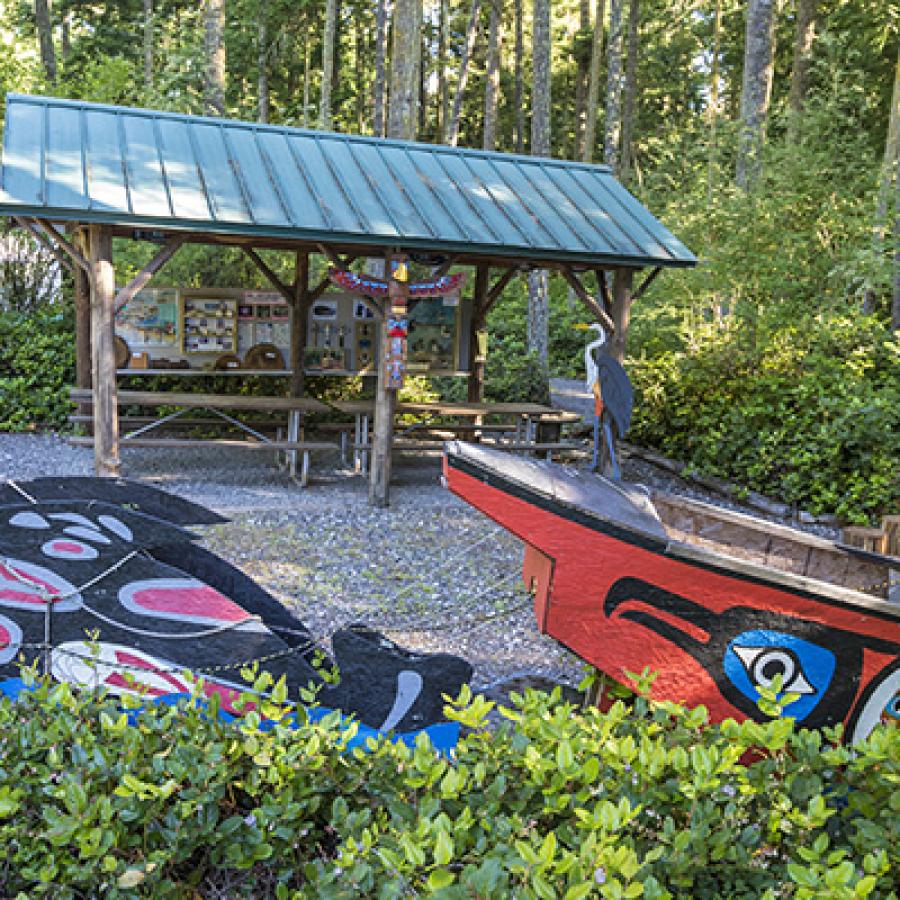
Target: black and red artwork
x,y
101,585
612,585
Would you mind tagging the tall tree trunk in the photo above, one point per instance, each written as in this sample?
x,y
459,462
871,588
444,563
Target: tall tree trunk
x,y
214,21
262,63
538,280
444,71
403,118
360,42
307,44
468,47
45,38
593,97
890,176
148,42
492,79
803,42
327,64
713,110
582,71
756,90
630,90
378,112
613,125
519,90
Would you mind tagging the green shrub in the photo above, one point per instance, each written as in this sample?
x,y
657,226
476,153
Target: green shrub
x,y
808,413
647,802
37,364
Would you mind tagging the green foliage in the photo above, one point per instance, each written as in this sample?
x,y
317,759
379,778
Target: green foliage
x,y
642,802
809,413
37,363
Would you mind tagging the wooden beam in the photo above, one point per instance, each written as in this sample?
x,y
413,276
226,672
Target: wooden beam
x,y
603,284
299,322
441,270
493,295
63,242
478,333
45,242
646,284
82,285
140,281
593,307
621,312
103,355
319,289
263,267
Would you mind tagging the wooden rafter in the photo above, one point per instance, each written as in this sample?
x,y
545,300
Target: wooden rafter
x,y
444,267
595,309
604,290
139,282
263,267
63,243
646,284
45,242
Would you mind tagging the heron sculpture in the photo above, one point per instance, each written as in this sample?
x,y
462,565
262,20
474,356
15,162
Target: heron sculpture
x,y
613,396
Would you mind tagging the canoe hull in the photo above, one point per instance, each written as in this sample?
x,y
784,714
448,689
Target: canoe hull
x,y
621,599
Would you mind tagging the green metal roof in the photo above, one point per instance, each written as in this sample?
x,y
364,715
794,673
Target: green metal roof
x,y
91,163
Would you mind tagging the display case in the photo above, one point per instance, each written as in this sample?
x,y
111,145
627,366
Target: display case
x,y
209,325
433,335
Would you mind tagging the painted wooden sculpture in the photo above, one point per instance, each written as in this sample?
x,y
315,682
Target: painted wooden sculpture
x,y
715,602
112,559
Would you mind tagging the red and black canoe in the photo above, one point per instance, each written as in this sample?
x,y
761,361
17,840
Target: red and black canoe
x,y
717,603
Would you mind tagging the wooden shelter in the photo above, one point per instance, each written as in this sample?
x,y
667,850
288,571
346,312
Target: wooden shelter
x,y
78,174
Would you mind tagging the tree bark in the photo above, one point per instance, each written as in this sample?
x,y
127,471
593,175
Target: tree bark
x,y
83,364
593,97
45,38
299,322
378,112
613,124
803,42
519,90
262,63
148,42
630,90
468,47
403,118
327,64
492,79
713,110
539,280
889,176
621,312
582,71
756,90
444,71
214,22
478,336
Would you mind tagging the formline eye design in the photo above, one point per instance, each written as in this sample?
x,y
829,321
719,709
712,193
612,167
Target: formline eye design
x,y
764,664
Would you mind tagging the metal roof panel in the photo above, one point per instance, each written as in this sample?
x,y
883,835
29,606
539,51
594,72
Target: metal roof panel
x,y
87,162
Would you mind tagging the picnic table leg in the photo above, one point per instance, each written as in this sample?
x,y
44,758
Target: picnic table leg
x,y
365,442
357,440
293,437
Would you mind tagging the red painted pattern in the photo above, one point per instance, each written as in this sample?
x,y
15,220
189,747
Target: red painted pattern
x,y
586,565
20,593
200,601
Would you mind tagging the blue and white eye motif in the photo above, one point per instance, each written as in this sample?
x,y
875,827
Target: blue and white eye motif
x,y
757,657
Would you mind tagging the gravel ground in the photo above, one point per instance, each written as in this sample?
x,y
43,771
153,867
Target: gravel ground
x,y
430,571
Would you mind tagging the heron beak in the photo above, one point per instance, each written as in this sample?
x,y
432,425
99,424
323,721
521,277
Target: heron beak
x,y
581,326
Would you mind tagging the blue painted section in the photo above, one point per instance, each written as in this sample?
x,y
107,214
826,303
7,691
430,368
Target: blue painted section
x,y
70,160
443,736
806,668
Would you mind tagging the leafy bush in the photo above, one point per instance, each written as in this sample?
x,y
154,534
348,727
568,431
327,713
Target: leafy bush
x,y
37,363
810,413
647,802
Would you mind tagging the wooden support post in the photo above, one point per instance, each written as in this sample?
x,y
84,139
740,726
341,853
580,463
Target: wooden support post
x,y
105,393
621,312
385,401
478,334
299,320
82,324
591,304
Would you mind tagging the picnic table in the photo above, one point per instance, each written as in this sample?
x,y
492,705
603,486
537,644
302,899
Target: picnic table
x,y
522,419
216,405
